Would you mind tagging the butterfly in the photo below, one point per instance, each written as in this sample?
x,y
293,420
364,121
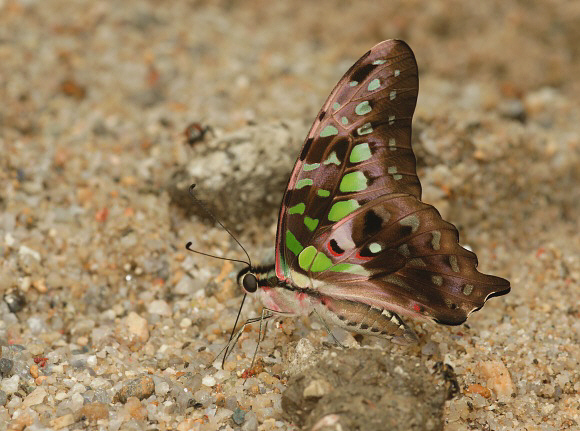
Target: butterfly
x,y
355,245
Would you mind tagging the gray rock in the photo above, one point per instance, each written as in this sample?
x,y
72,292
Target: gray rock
x,y
366,390
3,398
251,422
240,175
239,416
5,366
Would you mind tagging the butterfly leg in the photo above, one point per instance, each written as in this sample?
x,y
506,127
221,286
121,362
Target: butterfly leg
x,y
338,343
266,314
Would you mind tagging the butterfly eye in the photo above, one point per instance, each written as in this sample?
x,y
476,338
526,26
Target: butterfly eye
x,y
250,283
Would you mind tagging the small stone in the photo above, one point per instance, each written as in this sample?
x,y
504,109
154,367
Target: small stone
x,y
62,421
137,325
161,388
3,398
135,410
239,416
497,378
95,411
40,285
430,348
251,422
5,366
185,322
317,389
268,378
15,301
208,381
35,397
188,424
36,325
478,389
141,388
159,307
231,403
34,371
10,385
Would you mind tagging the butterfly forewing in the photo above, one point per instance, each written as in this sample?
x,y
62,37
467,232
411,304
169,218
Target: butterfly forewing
x,y
352,227
358,148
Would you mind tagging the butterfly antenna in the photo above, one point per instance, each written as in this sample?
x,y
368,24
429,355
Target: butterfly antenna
x,y
214,218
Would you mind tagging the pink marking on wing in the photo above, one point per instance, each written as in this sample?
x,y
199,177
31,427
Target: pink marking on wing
x,y
301,296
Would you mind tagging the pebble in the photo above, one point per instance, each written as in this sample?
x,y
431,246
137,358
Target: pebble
x,y
94,411
239,416
317,389
36,324
160,307
161,388
430,348
135,409
3,398
5,366
62,421
208,381
498,378
137,326
141,388
251,422
10,385
35,397
478,389
34,371
185,322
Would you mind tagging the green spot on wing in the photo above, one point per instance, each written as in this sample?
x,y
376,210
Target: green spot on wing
x,y
363,108
306,257
377,62
350,268
365,129
310,223
341,209
360,153
328,131
292,243
323,193
353,182
353,83
321,263
332,159
374,84
297,209
310,166
336,106
375,247
303,183
344,121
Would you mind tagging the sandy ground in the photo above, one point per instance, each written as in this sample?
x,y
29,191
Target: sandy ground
x,y
106,322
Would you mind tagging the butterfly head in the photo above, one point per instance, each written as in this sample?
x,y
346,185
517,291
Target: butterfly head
x,y
247,280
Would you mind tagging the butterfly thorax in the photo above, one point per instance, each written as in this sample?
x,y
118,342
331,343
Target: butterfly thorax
x,y
275,294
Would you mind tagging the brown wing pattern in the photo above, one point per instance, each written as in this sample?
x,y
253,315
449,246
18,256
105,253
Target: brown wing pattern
x,y
352,225
364,127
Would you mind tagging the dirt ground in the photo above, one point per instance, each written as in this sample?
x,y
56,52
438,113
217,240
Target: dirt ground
x,y
106,322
